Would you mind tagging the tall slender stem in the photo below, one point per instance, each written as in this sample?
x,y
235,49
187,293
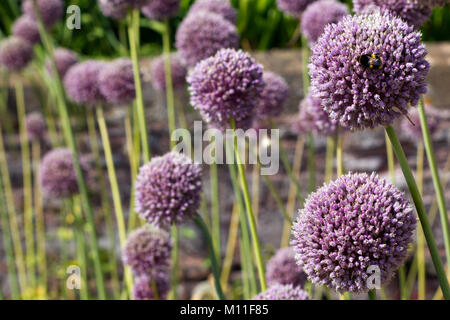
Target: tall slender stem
x,y
70,141
255,191
420,211
231,247
118,209
436,181
175,261
215,209
27,186
331,145
134,50
250,215
80,246
214,266
132,217
169,83
340,156
421,267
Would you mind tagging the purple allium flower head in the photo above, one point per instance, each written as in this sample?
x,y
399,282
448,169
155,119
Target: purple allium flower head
x,y
144,286
51,10
360,97
15,53
158,72
273,97
147,248
312,117
415,12
35,124
57,174
202,34
161,9
227,85
82,82
27,29
318,15
115,9
293,7
116,82
414,132
350,224
168,190
283,269
64,59
220,7
283,292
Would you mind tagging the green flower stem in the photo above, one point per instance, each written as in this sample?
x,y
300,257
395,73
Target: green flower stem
x,y
436,181
40,219
340,156
231,247
372,295
175,261
132,217
70,141
12,218
215,209
331,146
134,50
255,191
214,266
7,243
290,207
250,215
64,256
421,267
311,163
118,209
27,186
106,209
80,246
420,211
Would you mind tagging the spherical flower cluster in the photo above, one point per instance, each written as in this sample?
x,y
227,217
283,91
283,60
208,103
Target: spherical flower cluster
x,y
356,95
147,248
273,97
158,72
283,269
414,132
220,7
82,82
318,15
415,12
27,29
349,225
283,292
168,190
116,82
312,117
202,34
51,10
293,7
35,124
144,286
117,9
161,9
64,59
15,53
227,85
57,174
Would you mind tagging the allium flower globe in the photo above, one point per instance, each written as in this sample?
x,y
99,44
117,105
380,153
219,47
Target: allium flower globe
x,y
273,97
360,97
64,59
202,34
283,292
161,9
227,85
115,9
147,248
144,286
57,174
283,269
158,73
220,7
51,11
82,82
318,15
414,132
15,53
415,12
27,29
168,190
293,7
350,224
116,82
35,125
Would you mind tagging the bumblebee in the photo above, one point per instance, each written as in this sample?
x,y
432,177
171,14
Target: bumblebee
x,y
373,61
